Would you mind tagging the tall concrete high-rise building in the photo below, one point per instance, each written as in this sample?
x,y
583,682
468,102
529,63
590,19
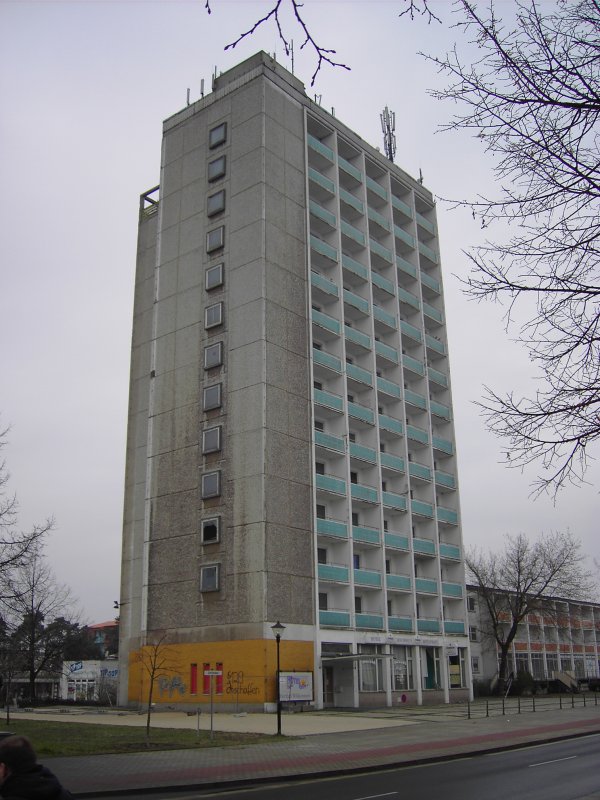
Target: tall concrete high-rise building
x,y
290,451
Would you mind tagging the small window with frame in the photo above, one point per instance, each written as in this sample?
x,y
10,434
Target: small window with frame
x,y
213,315
211,397
210,530
215,203
215,239
213,355
211,440
217,135
209,578
211,484
217,168
213,277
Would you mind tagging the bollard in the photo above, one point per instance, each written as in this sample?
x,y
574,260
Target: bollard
x,y
572,701
487,708
533,702
560,701
502,706
468,709
584,699
518,705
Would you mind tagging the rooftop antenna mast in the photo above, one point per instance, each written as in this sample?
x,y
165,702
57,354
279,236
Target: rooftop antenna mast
x,y
388,126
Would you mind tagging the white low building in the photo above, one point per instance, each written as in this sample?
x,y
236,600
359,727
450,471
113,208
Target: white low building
x,y
89,681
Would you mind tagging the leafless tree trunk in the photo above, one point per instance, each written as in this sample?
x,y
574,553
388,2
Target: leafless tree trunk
x,y
157,659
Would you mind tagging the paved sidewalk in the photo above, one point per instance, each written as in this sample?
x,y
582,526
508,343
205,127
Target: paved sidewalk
x,y
323,742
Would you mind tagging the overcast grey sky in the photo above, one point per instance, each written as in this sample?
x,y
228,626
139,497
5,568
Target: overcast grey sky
x,y
84,87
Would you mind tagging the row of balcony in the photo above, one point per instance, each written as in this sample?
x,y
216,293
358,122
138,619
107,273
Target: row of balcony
x,y
373,579
370,621
338,529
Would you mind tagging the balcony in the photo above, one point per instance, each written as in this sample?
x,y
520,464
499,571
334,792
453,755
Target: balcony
x,y
372,622
352,234
417,434
405,266
362,413
411,331
415,400
362,493
447,515
389,320
399,583
434,344
424,547
327,360
376,188
393,500
400,624
437,377
357,337
351,201
350,169
442,445
329,442
391,424
354,267
416,470
323,248
389,388
452,589
440,410
332,527
333,573
432,313
413,365
324,285
383,283
431,283
367,578
359,375
334,619
380,251
425,224
386,352
454,626
357,302
402,207
395,541
408,298
429,254
331,484
391,462
325,322
421,508
428,625
328,400
404,237
321,181
322,215
379,220
449,551
365,535
320,148
363,453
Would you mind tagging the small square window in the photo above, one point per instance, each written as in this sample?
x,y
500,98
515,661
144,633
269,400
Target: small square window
x,y
209,578
211,440
215,239
213,315
213,355
215,203
211,397
217,135
211,484
213,277
211,530
216,168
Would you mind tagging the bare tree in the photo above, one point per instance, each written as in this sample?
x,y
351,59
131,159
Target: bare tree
x,y
533,100
157,659
526,578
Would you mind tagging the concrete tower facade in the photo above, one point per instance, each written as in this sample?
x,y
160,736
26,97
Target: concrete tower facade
x,y
290,451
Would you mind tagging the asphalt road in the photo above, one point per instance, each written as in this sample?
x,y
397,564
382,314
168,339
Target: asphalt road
x,y
564,770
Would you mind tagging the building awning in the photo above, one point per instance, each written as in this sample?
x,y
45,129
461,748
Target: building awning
x,y
354,657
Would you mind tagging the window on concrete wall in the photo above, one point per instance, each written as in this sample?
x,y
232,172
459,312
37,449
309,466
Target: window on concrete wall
x,y
211,484
215,239
475,665
211,530
322,601
213,355
211,397
217,135
213,315
211,440
216,168
209,578
213,277
215,203
472,633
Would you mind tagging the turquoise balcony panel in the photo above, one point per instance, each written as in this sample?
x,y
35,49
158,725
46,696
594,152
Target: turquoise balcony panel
x,y
385,317
400,582
372,622
432,312
396,541
388,387
406,266
440,410
447,515
400,624
360,533
414,399
330,483
452,589
385,351
359,374
393,500
330,442
413,364
322,213
428,253
435,344
431,283
354,266
317,177
401,206
424,546
319,147
376,188
380,250
363,453
353,233
419,471
333,572
358,337
437,377
390,461
319,246
391,424
328,399
410,331
417,434
326,322
443,445
350,169
361,412
408,297
334,619
324,284
351,200
428,625
356,301
325,359
449,551
368,494
426,586
421,508
445,479
367,577
382,283
332,527
405,237
375,216
454,626
425,223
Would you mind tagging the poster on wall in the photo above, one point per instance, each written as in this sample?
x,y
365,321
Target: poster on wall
x,y
296,687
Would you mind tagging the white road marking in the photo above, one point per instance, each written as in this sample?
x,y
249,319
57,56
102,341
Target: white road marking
x,y
554,761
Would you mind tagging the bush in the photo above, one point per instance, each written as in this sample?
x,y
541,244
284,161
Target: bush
x,y
523,684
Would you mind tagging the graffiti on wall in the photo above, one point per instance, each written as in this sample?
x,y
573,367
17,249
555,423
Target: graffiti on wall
x,y
236,683
171,685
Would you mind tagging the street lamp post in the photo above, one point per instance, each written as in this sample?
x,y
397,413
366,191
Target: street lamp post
x,y
278,630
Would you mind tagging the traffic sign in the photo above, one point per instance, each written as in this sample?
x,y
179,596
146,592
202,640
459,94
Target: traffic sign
x,y
213,672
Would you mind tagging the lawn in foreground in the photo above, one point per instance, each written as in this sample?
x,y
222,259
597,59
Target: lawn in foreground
x,y
83,739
